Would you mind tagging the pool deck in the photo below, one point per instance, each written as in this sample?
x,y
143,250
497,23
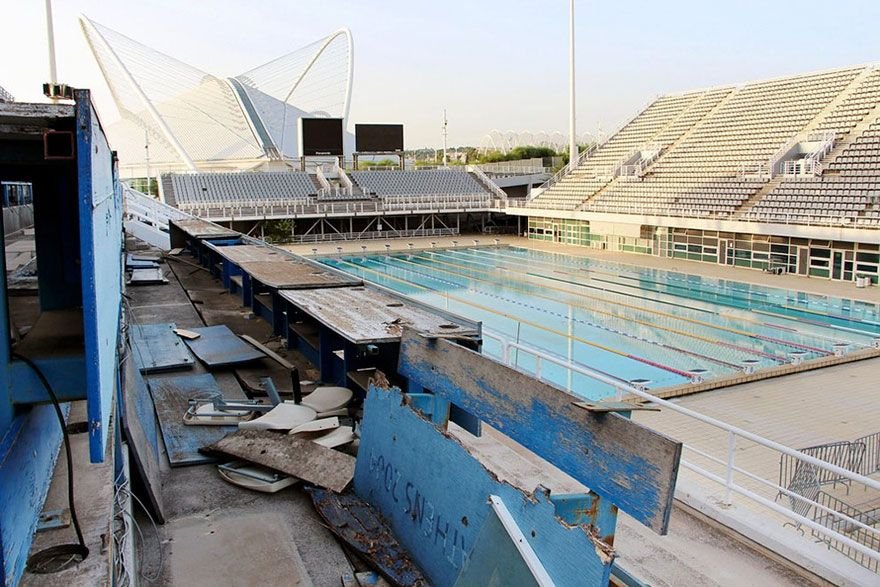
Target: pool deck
x,y
814,285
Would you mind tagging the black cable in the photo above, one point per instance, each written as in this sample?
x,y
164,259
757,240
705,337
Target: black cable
x,y
71,549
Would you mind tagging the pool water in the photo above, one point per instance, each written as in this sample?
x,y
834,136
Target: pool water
x,y
633,324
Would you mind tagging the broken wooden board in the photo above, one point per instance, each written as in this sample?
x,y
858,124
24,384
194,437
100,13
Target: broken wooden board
x,y
436,497
239,254
156,347
294,274
269,352
142,432
361,527
290,455
218,346
171,397
367,315
629,464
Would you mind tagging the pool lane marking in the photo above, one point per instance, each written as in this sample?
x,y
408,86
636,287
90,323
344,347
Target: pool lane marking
x,y
572,271
846,303
594,325
680,372
683,333
657,312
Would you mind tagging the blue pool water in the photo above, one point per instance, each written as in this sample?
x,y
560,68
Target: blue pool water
x,y
627,322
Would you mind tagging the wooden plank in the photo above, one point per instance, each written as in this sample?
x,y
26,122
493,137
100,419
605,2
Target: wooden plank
x,y
156,347
238,254
142,431
360,526
367,315
171,397
217,346
291,455
629,464
291,274
268,352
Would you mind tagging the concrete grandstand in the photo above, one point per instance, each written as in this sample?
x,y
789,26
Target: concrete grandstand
x,y
779,175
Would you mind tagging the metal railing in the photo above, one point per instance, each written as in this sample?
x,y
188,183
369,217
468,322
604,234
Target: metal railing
x,y
727,473
311,207
373,235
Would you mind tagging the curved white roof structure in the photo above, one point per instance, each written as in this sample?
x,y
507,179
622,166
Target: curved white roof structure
x,y
193,120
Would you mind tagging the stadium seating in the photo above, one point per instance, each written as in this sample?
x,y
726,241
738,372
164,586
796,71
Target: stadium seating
x,y
234,189
442,182
717,150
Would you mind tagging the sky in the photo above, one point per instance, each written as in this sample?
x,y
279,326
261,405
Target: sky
x,y
491,64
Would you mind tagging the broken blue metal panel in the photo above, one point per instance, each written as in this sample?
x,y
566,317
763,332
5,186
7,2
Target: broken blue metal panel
x,y
218,346
435,496
171,397
588,509
100,214
156,347
630,465
28,453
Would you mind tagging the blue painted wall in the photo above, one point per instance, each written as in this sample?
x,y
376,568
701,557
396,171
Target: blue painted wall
x,y
101,241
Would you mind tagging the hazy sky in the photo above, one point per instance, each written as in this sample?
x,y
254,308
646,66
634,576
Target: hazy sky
x,y
491,64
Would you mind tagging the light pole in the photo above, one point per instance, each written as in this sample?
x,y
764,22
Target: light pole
x,y
572,136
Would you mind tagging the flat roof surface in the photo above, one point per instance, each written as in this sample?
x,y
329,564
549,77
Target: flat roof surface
x,y
239,254
367,315
198,228
292,274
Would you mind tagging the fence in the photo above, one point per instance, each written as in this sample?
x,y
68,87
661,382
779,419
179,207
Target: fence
x,y
835,528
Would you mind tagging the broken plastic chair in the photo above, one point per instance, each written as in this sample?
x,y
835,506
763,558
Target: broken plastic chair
x,y
321,425
255,477
284,416
219,411
329,401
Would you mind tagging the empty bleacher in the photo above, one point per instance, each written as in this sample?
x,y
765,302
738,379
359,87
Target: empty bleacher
x,y
717,151
439,183
211,190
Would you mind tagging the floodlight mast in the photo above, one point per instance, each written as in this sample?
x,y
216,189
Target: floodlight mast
x,y
50,43
445,127
572,136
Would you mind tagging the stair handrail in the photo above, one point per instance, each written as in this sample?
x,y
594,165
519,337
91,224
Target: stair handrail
x,y
487,182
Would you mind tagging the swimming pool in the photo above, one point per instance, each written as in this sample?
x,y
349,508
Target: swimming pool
x,y
634,324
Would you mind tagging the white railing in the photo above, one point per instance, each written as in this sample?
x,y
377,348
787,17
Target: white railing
x,y
572,165
762,171
322,179
143,208
487,182
727,469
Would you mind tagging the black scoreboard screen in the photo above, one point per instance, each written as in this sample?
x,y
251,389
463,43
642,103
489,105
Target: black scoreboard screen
x,y
378,138
320,136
